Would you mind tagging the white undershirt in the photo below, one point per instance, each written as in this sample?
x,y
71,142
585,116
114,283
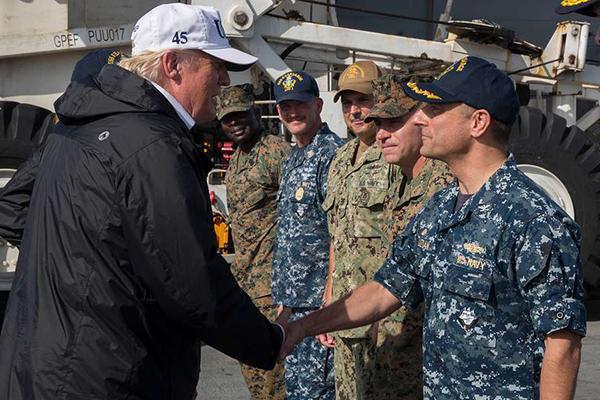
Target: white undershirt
x,y
181,112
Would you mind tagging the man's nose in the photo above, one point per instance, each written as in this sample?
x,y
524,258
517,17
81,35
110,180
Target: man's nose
x,y
421,118
354,109
382,134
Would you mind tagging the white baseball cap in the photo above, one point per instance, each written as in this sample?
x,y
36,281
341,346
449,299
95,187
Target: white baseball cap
x,y
183,26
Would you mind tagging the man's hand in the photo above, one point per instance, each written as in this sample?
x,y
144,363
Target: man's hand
x,y
560,365
295,333
326,340
283,317
363,306
283,313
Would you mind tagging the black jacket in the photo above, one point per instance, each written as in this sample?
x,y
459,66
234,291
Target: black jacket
x,y
118,275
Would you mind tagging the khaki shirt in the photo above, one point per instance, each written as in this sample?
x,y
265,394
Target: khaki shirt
x,y
252,182
356,212
414,194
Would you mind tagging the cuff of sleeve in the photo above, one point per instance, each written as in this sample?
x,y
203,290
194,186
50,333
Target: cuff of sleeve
x,y
554,315
398,283
283,334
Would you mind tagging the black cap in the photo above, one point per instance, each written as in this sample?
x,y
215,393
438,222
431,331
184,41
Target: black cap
x,y
585,7
472,81
296,85
87,68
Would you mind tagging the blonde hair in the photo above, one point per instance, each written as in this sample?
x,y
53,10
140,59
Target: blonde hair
x,y
148,63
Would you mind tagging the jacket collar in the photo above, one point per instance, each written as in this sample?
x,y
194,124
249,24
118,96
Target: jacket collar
x,y
313,148
181,112
481,203
418,185
372,154
116,91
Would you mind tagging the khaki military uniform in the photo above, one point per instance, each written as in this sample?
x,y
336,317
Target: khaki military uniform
x,y
398,359
369,203
252,182
356,209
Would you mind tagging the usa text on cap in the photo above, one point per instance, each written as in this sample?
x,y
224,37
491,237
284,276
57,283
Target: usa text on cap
x,y
187,27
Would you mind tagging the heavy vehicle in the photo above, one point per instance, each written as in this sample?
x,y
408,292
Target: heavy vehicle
x,y
555,140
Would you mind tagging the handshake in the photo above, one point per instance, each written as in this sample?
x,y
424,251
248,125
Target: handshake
x,y
294,332
297,330
363,306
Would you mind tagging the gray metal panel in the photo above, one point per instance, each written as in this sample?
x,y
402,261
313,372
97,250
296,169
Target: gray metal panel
x,y
532,20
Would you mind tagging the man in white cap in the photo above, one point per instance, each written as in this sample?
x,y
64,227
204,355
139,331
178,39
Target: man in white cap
x,y
119,277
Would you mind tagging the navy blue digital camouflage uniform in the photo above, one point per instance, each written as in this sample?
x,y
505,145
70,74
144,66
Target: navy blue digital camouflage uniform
x,y
300,260
495,276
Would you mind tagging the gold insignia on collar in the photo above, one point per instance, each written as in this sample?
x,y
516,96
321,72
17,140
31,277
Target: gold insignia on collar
x,y
570,3
299,193
474,248
413,86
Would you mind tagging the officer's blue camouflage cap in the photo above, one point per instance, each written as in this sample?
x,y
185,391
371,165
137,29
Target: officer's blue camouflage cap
x,y
296,85
87,68
585,7
472,81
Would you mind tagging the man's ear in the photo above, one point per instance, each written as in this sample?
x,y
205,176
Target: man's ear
x,y
170,65
319,104
480,122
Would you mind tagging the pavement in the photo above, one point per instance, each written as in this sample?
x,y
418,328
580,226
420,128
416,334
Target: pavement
x,y
588,382
221,378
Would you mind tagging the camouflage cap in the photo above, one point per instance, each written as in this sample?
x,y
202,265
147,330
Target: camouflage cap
x,y
358,77
234,99
390,101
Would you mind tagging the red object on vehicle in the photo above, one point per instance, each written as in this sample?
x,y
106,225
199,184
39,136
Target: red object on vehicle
x,y
213,198
227,149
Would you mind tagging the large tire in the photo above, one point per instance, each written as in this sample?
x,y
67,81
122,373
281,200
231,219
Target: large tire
x,y
545,143
23,128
